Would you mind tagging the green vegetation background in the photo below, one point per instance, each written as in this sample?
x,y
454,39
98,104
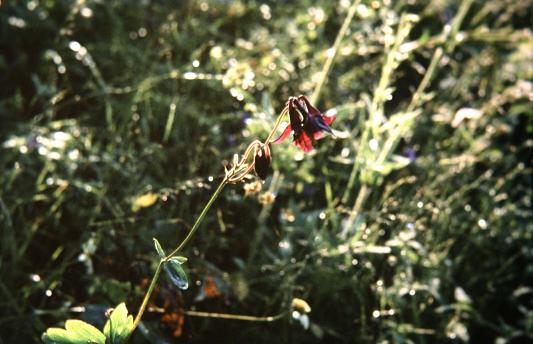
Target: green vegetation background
x,y
102,102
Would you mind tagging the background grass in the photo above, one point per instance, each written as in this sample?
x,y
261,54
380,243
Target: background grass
x,y
412,225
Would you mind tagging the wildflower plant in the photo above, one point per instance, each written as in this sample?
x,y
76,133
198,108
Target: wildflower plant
x,y
306,122
415,226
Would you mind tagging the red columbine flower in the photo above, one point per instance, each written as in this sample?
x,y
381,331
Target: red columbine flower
x,y
262,161
306,122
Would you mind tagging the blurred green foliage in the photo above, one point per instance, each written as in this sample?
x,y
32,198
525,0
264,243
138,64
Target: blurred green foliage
x,y
116,117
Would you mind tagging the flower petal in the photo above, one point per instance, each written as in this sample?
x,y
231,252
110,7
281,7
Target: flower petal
x,y
311,109
323,125
328,119
317,135
304,142
297,114
283,136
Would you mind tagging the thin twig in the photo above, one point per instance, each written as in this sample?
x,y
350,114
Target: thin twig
x,y
269,318
332,52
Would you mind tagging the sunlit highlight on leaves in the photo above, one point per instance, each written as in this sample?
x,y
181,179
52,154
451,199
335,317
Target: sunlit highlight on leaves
x,y
75,332
119,325
144,201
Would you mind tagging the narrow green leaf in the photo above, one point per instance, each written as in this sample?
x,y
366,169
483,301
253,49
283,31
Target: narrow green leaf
x,y
119,325
180,259
176,273
159,249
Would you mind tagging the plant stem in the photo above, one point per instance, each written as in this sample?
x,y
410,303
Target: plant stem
x,y
191,233
180,246
147,296
332,52
277,124
449,37
199,219
235,316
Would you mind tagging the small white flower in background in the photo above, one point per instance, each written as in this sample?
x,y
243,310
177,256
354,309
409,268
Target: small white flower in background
x,y
300,309
465,113
461,295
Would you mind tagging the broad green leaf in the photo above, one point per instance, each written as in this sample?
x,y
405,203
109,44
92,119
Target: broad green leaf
x,y
159,249
84,330
119,325
58,335
176,273
75,332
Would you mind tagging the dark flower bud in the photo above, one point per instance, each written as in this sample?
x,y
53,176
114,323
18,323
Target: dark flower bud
x,y
262,161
